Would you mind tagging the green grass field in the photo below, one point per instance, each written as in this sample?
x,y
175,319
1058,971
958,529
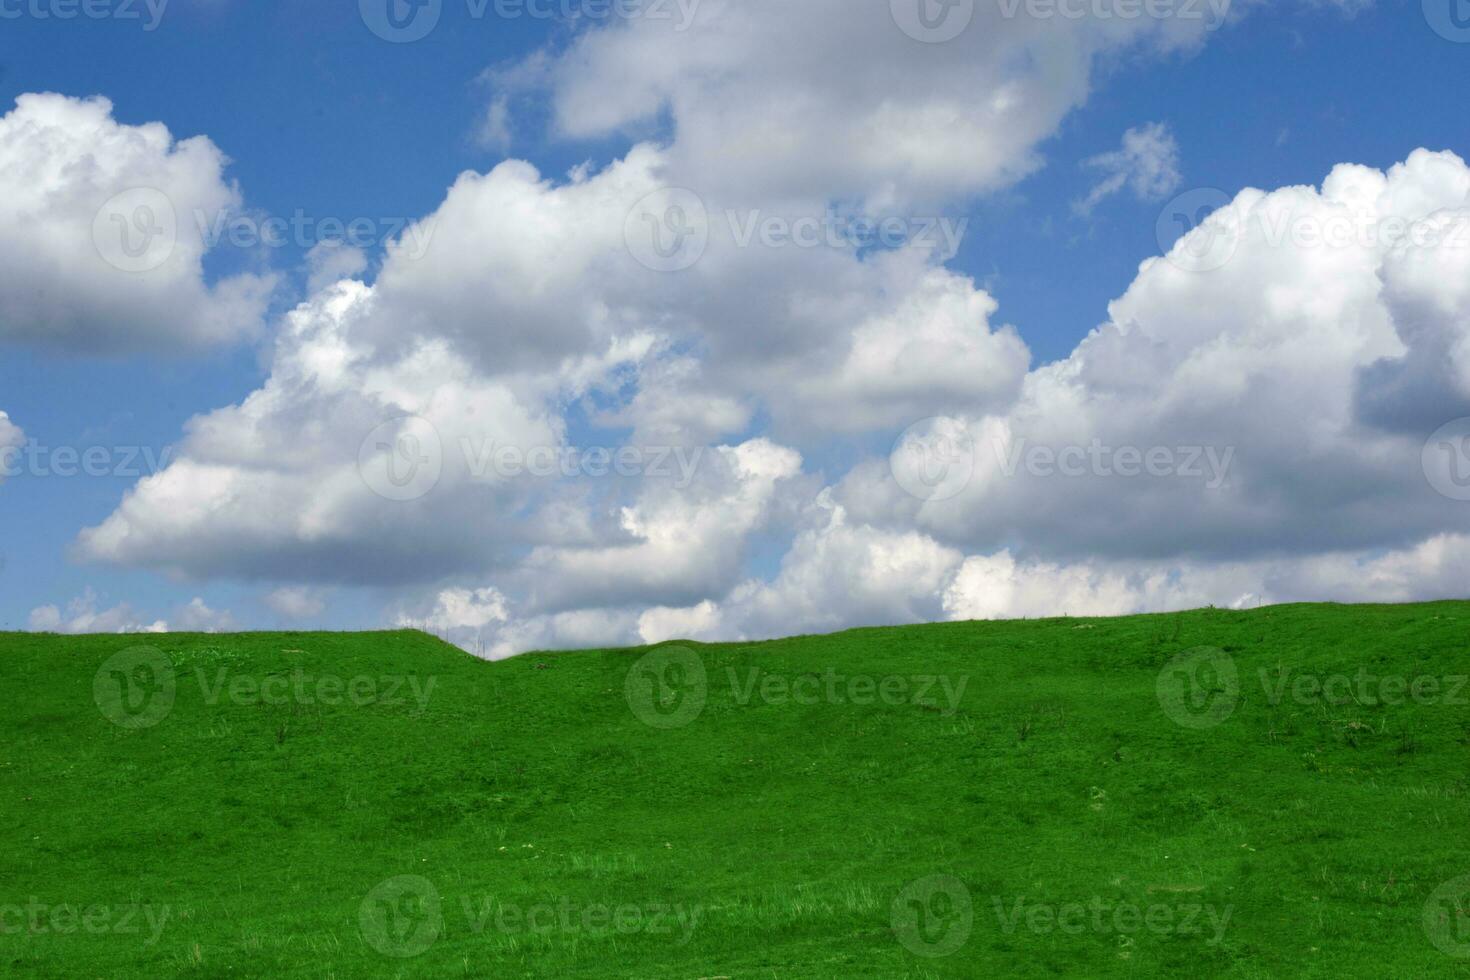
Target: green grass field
x,y
1273,793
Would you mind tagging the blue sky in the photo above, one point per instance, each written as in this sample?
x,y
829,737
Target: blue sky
x,y
319,116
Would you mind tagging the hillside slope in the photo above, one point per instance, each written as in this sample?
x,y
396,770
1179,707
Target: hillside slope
x,y
1128,797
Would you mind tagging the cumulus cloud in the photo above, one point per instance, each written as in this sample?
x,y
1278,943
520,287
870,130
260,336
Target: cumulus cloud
x,y
1206,445
526,299
101,238
845,574
197,617
1000,587
81,615
676,542
1214,441
523,274
829,99
1246,424
1216,412
297,482
1147,164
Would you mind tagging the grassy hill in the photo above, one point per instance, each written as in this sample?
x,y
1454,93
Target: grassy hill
x,y
1130,797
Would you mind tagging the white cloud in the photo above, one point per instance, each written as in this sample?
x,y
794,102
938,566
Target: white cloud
x,y
1263,362
695,623
99,236
296,602
473,609
843,574
81,615
999,587
930,351
272,488
1256,373
672,543
827,99
331,261
11,437
525,298
1147,164
197,617
495,127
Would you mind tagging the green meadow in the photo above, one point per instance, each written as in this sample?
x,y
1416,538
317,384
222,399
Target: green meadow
x,y
1279,792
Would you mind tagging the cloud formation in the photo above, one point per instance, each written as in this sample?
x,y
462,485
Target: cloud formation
x,y
1147,164
101,237
81,615
656,398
